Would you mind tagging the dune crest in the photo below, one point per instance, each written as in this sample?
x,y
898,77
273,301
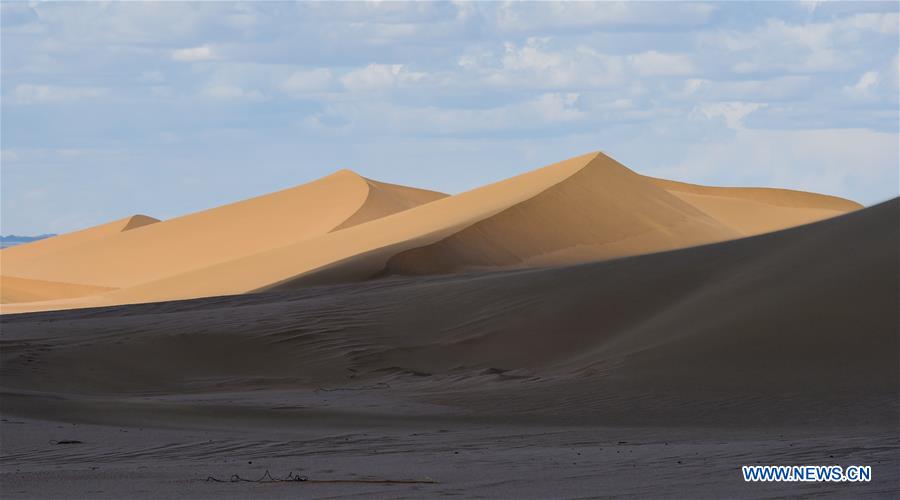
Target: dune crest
x,y
11,257
14,289
345,228
752,211
223,233
601,211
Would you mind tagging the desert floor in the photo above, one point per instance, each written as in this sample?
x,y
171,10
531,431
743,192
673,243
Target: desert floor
x,y
649,376
158,449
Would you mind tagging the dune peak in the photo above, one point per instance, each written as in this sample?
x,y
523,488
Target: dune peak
x,y
138,220
345,172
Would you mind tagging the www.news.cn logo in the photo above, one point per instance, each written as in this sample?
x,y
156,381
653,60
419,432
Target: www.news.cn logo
x,y
807,473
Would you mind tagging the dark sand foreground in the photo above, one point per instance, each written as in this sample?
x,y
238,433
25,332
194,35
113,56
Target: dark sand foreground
x,y
649,376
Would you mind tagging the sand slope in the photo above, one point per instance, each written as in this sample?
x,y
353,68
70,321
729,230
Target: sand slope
x,y
16,289
25,290
795,324
751,211
602,211
223,233
587,208
13,257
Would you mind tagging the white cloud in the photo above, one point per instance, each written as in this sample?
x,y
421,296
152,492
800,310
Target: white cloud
x,y
533,16
779,45
535,65
29,93
801,48
732,112
864,86
810,5
124,22
244,17
162,91
895,69
531,57
302,82
558,107
856,163
231,92
499,76
880,22
151,77
773,89
386,118
192,54
376,77
9,155
656,63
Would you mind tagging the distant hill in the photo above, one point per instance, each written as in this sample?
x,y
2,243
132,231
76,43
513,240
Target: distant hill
x,y
13,239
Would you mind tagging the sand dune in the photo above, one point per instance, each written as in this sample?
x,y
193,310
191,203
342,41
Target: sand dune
x,y
802,320
26,290
221,234
752,211
587,208
601,211
13,257
16,289
647,376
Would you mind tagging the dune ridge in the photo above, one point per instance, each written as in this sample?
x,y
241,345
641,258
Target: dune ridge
x,y
751,211
222,233
602,211
14,256
14,289
587,208
385,199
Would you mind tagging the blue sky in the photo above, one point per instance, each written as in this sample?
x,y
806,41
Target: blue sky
x,y
110,109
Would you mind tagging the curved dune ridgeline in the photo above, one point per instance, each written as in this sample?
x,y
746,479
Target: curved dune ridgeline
x,y
25,290
346,228
19,256
216,235
752,211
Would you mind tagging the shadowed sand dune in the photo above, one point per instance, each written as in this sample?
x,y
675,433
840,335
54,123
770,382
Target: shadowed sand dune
x,y
786,325
349,228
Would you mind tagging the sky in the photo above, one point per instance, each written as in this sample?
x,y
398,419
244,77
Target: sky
x,y
112,109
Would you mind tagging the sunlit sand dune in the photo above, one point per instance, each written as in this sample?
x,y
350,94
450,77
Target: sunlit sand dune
x,y
600,211
17,256
25,290
758,210
346,228
16,289
221,234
